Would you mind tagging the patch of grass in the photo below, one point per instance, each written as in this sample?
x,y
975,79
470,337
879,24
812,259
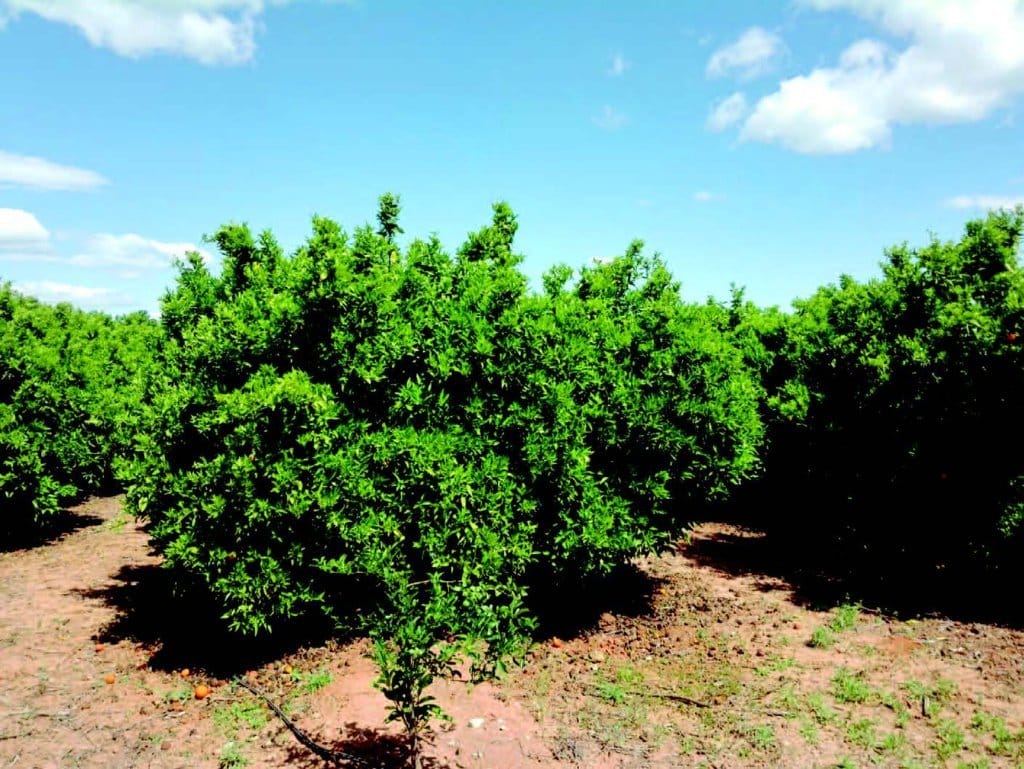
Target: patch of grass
x,y
849,687
846,763
1004,741
945,690
628,675
626,680
762,737
949,739
895,704
822,638
862,733
809,731
232,718
821,710
786,698
894,742
845,618
775,665
313,681
611,692
933,697
232,757
118,522
181,693
981,763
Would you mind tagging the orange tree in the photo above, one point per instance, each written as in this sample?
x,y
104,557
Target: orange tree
x,y
892,406
70,390
404,441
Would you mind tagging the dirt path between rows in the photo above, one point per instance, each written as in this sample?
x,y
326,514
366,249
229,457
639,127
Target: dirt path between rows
x,y
696,661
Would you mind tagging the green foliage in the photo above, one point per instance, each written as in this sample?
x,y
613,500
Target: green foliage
x,y
850,687
404,442
949,739
844,618
890,404
70,389
822,638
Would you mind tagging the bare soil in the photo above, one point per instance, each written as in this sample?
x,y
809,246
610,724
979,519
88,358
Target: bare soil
x,y
707,664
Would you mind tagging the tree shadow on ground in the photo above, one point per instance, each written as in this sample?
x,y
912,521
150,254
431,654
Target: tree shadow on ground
x,y
186,629
48,532
364,748
570,610
822,575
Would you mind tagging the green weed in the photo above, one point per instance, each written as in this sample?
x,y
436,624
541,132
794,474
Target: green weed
x,y
949,739
231,757
822,638
862,733
850,687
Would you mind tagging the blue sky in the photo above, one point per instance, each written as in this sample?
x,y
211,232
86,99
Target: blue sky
x,y
774,145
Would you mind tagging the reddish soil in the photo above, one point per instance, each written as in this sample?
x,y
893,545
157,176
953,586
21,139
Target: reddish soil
x,y
712,668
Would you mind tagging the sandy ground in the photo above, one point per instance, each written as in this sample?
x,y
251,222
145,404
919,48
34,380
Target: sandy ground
x,y
705,663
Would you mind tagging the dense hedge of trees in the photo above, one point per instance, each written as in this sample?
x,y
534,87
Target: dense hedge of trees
x,y
70,396
894,407
406,442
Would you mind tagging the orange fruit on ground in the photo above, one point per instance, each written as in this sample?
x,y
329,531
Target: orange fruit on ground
x,y
99,648
186,673
202,692
556,642
286,669
109,678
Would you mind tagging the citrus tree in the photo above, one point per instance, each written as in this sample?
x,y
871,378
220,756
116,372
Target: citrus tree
x,y
70,397
404,441
893,401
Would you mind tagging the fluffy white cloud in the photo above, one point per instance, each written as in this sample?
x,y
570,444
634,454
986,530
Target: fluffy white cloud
x,y
619,65
964,60
209,31
750,55
28,171
131,255
88,297
21,232
985,201
610,119
730,110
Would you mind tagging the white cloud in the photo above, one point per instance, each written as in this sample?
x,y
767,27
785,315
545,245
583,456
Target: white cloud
x,y
88,297
131,255
704,196
619,65
21,233
964,60
610,119
28,171
752,54
730,110
985,201
209,31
